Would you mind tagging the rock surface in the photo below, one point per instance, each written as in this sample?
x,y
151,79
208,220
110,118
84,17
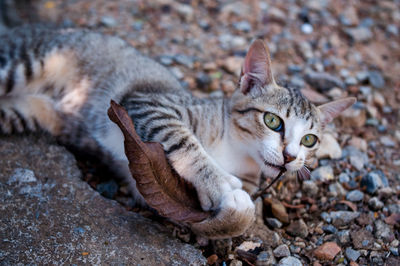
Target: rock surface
x,y
48,215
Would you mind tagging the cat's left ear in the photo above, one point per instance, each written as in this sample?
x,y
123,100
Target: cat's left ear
x,y
256,72
331,110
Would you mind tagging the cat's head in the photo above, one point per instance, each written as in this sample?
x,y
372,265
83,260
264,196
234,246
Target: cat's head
x,y
277,126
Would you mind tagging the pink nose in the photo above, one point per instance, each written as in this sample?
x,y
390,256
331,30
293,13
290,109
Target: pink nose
x,y
288,157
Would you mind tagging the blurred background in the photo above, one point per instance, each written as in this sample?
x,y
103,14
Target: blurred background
x,y
329,50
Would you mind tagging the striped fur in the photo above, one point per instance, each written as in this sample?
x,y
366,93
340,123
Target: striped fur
x,y
62,81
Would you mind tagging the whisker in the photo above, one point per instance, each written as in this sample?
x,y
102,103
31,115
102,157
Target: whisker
x,y
303,173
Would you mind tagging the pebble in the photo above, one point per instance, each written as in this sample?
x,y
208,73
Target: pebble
x,y
373,181
375,204
203,80
108,21
349,17
277,209
350,81
359,143
243,25
341,218
326,216
166,60
337,190
387,141
330,229
307,28
273,222
352,254
343,236
353,117
359,34
355,196
323,173
362,239
232,64
265,258
298,228
344,178
327,251
290,261
184,60
375,79
185,11
310,188
176,72
357,158
392,29
383,231
394,250
323,81
329,148
281,251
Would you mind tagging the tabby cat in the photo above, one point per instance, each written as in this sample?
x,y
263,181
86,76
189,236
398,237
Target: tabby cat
x,y
62,81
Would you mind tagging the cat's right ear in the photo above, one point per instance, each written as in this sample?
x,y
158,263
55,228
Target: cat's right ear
x,y
256,72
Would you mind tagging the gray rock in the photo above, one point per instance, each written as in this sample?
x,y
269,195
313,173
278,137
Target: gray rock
x,y
352,254
60,219
337,189
326,216
394,250
273,222
298,228
363,76
343,236
362,239
265,258
375,204
383,231
281,251
373,181
290,261
243,25
359,34
307,28
394,208
323,81
310,188
322,173
330,229
344,178
350,81
108,21
355,196
166,60
184,60
341,218
375,79
357,158
387,141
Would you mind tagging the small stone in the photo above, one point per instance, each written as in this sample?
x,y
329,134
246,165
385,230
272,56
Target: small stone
x,y
349,17
166,60
326,216
359,143
329,147
281,251
323,81
232,64
375,204
357,158
344,178
306,28
355,196
359,34
362,76
248,245
341,218
290,261
298,228
394,250
277,209
184,60
235,262
385,192
330,229
353,117
242,26
327,251
310,188
273,222
185,11
337,189
322,173
203,80
374,180
352,254
212,259
375,79
265,258
343,236
176,72
387,141
108,21
350,81
362,239
383,231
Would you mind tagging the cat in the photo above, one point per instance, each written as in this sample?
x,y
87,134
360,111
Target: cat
x,y
62,81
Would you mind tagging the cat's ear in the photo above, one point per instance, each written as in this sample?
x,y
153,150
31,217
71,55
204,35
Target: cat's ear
x,y
329,111
256,72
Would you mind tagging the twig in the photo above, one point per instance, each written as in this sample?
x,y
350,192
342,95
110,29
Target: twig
x,y
264,189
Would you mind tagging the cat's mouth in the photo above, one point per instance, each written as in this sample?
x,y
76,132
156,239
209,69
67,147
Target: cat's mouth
x,y
275,166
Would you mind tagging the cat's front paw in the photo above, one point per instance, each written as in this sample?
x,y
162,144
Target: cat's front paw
x,y
212,190
235,215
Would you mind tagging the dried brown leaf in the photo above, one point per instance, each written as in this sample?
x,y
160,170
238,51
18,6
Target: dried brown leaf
x,y
162,188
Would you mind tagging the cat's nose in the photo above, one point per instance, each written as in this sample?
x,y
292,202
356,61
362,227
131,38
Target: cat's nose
x,y
288,157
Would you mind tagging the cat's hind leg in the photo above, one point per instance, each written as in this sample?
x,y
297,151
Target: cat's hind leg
x,y
28,113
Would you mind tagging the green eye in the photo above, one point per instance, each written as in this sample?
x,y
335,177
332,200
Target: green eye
x,y
273,121
309,140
